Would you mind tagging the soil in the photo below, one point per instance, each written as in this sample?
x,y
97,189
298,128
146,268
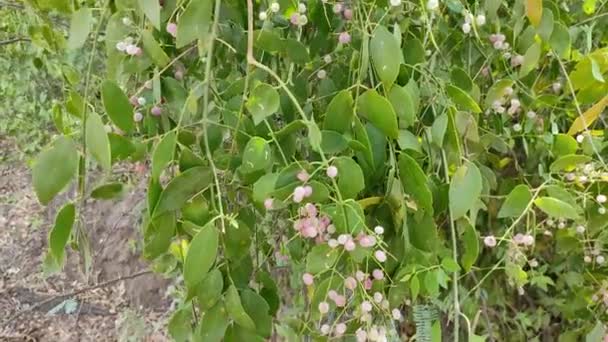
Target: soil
x,y
35,307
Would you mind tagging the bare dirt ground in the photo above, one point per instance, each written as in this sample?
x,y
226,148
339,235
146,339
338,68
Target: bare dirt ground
x,y
70,306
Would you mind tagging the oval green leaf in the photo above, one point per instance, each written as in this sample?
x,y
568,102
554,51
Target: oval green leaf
x,y
263,101
384,51
117,106
54,168
465,188
379,111
201,255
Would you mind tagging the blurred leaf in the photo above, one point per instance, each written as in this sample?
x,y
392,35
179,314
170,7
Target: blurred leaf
x,y
236,310
256,156
384,51
54,169
531,58
117,106
415,183
379,112
462,100
534,11
568,162
61,231
350,177
98,143
516,202
262,102
153,49
163,154
201,255
194,22
403,104
182,188
107,191
556,208
470,241
465,188
213,325
588,117
151,9
80,26
338,116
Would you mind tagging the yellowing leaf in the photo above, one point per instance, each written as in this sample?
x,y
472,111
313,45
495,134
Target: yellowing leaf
x,y
534,11
587,118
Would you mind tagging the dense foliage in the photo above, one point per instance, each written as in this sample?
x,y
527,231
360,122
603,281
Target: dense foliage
x,y
365,170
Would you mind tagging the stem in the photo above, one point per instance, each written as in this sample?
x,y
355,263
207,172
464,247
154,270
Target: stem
x,y
216,17
455,277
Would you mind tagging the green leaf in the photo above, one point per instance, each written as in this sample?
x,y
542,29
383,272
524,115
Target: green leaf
x,y
497,91
568,162
314,136
461,79
465,188
350,177
158,234
121,148
151,8
236,310
98,143
163,154
589,6
531,58
415,183
117,106
450,265
107,191
201,255
333,142
256,156
295,51
545,28
153,49
403,104
182,188
321,258
80,26
193,23
54,168
516,202
462,100
423,233
213,324
263,101
256,307
556,208
560,40
179,325
414,287
597,333
60,234
339,113
236,241
470,241
379,112
209,290
384,51
564,144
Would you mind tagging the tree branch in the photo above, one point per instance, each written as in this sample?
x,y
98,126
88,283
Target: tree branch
x,y
14,40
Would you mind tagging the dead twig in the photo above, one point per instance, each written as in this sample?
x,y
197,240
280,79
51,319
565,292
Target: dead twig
x,y
77,292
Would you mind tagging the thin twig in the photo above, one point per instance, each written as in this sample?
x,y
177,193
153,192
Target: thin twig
x,y
77,292
14,40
